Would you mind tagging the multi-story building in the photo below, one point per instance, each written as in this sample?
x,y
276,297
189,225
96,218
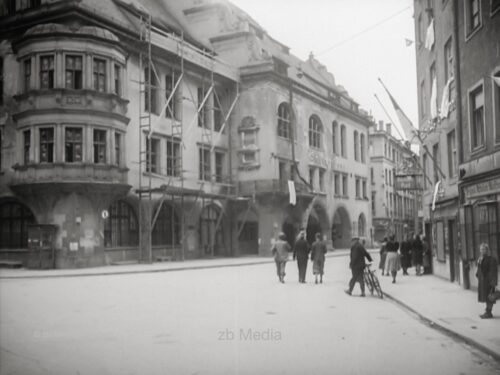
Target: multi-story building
x,y
393,208
144,130
459,104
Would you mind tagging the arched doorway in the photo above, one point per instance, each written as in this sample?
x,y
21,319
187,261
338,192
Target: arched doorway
x,y
341,229
211,233
248,236
166,230
317,222
14,220
362,225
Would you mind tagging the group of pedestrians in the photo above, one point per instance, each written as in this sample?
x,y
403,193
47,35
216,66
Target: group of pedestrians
x,y
301,252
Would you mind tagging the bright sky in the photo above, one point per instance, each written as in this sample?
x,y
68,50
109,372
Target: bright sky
x,y
357,40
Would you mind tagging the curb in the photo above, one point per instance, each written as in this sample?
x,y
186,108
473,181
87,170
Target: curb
x,y
186,268
447,331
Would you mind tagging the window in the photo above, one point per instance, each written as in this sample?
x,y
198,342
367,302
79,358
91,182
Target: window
x,y
118,146
218,113
152,154
364,189
423,100
248,139
473,15
344,186
149,88
120,228
321,176
452,154
436,156
166,230
356,145
496,105
203,120
358,189
448,67
343,151
73,145
495,5
118,80
100,75
283,175
315,130
204,165
386,176
336,179
27,146
173,157
27,74
219,166
14,221
74,77
362,148
335,129
47,145
421,30
372,176
170,81
99,146
311,176
284,121
374,211
424,167
476,100
1,80
46,72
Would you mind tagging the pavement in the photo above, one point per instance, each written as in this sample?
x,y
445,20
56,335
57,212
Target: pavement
x,y
437,302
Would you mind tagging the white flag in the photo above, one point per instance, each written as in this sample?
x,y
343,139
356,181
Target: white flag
x,y
429,37
444,110
434,196
433,107
291,191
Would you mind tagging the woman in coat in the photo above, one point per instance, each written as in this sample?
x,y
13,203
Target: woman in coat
x,y
406,254
487,275
318,257
280,250
392,261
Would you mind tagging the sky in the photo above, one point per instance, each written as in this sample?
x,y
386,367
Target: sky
x,y
358,41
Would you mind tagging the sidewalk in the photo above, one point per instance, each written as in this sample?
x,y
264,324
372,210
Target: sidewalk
x,y
437,302
448,307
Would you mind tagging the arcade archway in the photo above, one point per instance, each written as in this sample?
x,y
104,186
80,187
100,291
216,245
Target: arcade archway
x,y
317,222
341,229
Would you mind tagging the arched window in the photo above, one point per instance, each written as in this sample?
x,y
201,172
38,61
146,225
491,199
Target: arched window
x,y
14,221
284,121
343,150
362,148
356,145
120,228
315,132
335,129
166,229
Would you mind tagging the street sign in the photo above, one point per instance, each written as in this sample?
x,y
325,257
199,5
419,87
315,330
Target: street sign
x,y
407,182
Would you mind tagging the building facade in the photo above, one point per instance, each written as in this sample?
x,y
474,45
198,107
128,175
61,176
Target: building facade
x,y
458,102
394,208
146,130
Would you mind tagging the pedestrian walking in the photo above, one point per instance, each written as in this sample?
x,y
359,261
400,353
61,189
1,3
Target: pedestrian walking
x,y
392,261
406,254
383,254
301,253
318,252
280,250
417,254
426,256
487,275
357,265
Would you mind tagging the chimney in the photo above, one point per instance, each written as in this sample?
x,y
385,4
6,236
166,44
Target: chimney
x,y
388,128
380,125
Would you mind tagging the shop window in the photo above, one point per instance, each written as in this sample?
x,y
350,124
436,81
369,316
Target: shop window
x,y
166,230
486,226
173,158
14,221
47,72
120,228
99,146
73,75
73,145
46,145
26,146
284,121
99,75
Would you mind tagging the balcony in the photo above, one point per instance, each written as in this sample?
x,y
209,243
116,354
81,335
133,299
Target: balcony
x,y
271,186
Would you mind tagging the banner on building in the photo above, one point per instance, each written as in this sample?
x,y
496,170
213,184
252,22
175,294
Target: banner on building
x,y
291,191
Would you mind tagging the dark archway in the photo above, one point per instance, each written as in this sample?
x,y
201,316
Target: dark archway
x,y
317,222
290,232
341,229
211,231
14,220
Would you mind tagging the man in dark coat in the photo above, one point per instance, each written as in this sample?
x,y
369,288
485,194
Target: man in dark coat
x,y
301,252
357,265
406,254
487,275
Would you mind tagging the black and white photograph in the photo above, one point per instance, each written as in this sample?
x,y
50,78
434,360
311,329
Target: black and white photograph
x,y
246,187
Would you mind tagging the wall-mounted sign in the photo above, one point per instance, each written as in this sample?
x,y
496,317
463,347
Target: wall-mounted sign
x,y
407,183
105,214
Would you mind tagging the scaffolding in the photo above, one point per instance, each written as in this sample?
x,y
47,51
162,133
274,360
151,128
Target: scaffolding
x,y
149,83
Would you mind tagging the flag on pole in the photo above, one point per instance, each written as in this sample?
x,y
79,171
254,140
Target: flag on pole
x,y
291,191
433,106
409,130
435,195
